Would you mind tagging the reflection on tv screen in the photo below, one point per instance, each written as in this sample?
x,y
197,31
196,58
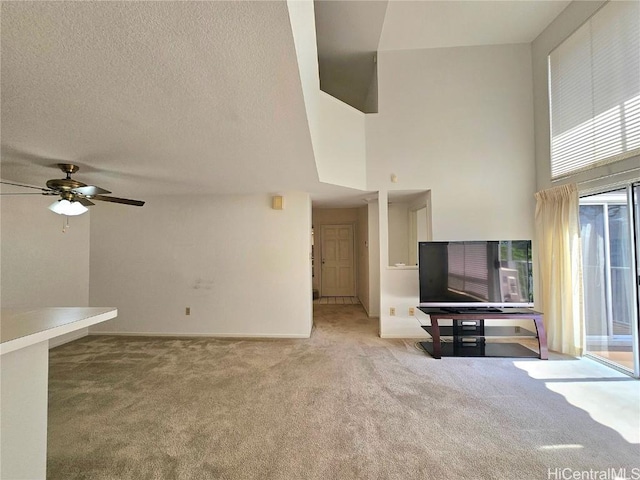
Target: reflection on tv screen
x,y
494,272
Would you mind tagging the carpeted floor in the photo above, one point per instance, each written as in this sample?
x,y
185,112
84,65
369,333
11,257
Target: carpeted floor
x,y
344,404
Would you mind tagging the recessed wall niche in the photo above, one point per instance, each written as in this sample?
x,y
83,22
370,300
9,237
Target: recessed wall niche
x,y
409,222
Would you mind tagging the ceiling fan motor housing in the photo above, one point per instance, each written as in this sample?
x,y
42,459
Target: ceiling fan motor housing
x,y
64,184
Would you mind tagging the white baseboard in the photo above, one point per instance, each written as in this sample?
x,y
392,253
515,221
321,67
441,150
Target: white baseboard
x,y
201,335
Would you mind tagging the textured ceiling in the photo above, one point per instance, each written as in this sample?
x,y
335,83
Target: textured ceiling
x,y
199,97
154,97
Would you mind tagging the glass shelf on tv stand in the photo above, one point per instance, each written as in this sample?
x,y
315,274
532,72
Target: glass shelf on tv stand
x,y
489,331
473,328
486,349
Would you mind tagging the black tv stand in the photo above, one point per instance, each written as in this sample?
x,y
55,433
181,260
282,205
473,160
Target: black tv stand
x,y
466,337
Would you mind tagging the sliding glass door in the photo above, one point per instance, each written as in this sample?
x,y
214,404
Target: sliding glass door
x,y
609,251
636,330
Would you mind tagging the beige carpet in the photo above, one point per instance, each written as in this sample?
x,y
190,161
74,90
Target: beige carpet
x,y
344,404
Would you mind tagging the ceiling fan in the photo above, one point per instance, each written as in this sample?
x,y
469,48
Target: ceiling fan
x,y
75,196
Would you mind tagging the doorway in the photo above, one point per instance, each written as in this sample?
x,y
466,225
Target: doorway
x,y
609,225
337,261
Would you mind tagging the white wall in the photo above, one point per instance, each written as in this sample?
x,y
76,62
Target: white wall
x,y
458,122
243,268
398,233
362,251
398,286
339,145
409,223
337,129
41,265
373,216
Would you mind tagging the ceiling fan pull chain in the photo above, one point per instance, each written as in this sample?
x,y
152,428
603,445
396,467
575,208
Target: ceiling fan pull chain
x,y
65,224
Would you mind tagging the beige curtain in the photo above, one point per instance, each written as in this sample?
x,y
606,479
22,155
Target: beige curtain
x,y
557,226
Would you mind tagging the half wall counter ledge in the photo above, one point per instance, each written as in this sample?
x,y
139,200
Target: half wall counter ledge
x,y
24,379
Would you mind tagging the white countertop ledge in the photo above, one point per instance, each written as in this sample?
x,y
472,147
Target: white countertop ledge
x,y
23,327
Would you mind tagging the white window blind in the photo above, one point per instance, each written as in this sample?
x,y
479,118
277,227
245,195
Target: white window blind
x,y
594,84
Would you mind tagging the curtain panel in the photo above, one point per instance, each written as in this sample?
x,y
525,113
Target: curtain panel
x,y
559,262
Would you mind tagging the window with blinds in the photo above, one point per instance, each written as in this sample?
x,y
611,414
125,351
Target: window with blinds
x,y
594,85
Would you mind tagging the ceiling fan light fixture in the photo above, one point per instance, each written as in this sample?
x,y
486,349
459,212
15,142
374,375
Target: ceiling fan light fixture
x,y
65,207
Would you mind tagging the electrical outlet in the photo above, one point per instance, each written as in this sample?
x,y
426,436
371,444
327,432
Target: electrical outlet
x,y
392,311
412,311
187,311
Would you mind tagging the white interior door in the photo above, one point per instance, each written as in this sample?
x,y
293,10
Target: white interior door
x,y
338,276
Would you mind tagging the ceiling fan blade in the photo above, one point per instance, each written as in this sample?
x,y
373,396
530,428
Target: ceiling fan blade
x,y
85,201
91,190
29,193
125,201
26,186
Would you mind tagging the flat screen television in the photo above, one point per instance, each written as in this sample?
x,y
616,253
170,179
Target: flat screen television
x,y
476,274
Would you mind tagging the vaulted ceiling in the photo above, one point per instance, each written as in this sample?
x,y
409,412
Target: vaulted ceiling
x,y
350,33
200,97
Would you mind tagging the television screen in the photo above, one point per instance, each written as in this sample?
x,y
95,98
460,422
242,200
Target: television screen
x,y
491,273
